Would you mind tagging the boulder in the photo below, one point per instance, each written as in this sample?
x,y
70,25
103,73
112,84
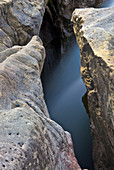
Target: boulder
x,y
29,139
94,29
19,21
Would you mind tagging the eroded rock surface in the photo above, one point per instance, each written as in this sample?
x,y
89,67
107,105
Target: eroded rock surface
x,y
29,139
20,76
94,29
56,31
19,21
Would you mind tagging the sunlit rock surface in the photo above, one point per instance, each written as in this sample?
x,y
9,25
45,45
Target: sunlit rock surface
x,y
94,29
29,139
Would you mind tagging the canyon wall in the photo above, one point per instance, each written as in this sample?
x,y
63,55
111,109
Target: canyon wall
x,y
56,31
58,15
29,139
95,35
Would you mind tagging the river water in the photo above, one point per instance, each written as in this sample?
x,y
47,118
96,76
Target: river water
x,y
108,3
63,90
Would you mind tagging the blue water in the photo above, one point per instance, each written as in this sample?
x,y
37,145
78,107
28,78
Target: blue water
x,y
108,3
63,91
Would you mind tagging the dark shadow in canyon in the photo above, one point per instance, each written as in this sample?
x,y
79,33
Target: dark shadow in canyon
x,y
62,83
63,86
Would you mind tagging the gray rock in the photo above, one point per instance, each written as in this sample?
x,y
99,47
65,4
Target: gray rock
x,y
20,76
94,29
29,139
20,20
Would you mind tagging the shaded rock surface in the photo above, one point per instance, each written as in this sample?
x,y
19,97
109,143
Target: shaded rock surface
x,y
56,30
94,29
29,139
58,15
19,21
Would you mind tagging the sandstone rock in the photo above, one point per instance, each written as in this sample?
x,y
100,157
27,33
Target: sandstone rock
x,y
19,21
29,139
21,71
56,30
94,29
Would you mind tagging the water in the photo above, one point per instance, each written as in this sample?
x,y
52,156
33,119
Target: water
x,y
108,3
63,90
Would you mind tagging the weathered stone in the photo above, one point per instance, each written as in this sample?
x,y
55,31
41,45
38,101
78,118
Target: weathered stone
x,y
56,30
20,20
94,29
29,139
19,72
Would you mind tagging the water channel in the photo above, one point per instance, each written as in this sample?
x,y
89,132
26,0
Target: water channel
x,y
64,89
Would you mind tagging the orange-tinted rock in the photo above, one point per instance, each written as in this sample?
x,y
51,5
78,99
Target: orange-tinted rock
x,y
95,34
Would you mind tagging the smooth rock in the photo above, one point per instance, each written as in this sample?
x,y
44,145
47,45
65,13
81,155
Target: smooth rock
x,y
20,76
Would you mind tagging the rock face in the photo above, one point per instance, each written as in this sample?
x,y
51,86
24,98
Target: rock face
x,y
29,139
56,31
94,29
19,21
58,15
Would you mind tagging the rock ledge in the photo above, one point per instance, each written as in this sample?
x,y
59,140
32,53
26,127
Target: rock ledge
x,y
94,29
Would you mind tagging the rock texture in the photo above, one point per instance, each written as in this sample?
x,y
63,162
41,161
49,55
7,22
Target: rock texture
x,y
19,21
56,31
29,139
58,15
94,29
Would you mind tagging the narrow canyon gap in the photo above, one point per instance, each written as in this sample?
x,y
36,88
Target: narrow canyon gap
x,y
63,90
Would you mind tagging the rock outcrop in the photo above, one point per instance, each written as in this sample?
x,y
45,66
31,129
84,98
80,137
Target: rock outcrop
x,y
56,31
58,15
19,21
29,139
94,29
